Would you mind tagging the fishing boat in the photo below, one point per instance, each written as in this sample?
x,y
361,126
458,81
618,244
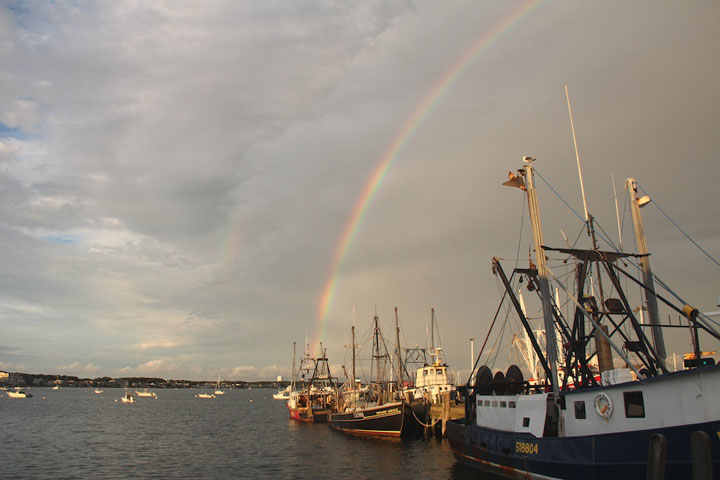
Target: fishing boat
x,y
145,393
98,391
638,418
205,395
127,398
381,409
282,394
318,398
432,379
17,393
296,402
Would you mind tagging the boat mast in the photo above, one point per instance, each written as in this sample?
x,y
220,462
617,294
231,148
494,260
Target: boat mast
x,y
534,209
397,346
432,330
352,381
636,203
292,376
376,355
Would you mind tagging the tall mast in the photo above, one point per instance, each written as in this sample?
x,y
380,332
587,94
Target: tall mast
x,y
397,346
617,212
543,276
352,381
432,329
652,306
376,354
292,375
577,157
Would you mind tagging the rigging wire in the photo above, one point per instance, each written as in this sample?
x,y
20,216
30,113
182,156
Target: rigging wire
x,y
559,196
571,208
482,348
681,230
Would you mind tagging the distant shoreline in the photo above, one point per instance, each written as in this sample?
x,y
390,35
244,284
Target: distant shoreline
x,y
43,380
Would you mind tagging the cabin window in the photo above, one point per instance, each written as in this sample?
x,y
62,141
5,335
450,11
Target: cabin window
x,y
487,403
526,421
580,410
634,405
425,372
494,403
503,404
511,404
438,371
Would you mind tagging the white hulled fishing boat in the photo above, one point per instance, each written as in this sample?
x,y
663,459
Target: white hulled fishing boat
x,y
145,393
18,393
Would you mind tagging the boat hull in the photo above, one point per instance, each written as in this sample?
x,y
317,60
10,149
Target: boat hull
x,y
19,395
145,394
306,414
389,420
618,456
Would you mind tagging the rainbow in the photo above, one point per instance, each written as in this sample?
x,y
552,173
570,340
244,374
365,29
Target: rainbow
x,y
419,113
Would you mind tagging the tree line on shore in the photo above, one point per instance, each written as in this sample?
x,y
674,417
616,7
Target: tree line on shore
x,y
42,380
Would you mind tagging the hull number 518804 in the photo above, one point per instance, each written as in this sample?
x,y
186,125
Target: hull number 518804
x,y
525,447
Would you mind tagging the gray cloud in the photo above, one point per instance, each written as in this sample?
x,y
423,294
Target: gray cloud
x,y
175,179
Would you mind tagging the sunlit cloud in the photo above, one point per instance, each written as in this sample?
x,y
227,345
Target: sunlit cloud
x,y
79,369
157,343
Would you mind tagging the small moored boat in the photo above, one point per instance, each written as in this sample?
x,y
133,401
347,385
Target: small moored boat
x,y
19,394
145,393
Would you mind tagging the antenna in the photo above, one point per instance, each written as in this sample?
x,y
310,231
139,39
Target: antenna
x,y
577,156
617,211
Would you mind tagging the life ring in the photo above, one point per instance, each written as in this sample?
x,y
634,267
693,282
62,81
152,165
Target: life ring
x,y
603,405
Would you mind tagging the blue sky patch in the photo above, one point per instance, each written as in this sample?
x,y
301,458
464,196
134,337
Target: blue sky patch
x,y
62,239
9,132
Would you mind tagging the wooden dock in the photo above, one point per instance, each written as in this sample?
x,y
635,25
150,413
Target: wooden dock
x,y
441,413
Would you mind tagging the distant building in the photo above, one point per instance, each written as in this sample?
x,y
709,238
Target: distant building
x,y
279,378
4,377
15,379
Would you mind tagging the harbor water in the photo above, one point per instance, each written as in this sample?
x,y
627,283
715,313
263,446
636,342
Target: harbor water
x,y
75,434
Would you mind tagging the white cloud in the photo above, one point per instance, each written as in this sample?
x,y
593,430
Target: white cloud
x,y
157,343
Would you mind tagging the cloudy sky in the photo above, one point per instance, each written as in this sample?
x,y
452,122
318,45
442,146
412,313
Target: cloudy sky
x,y
176,177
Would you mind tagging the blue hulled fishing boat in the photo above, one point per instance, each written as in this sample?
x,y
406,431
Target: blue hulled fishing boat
x,y
607,406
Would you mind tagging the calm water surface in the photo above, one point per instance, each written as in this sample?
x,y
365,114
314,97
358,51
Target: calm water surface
x,y
74,433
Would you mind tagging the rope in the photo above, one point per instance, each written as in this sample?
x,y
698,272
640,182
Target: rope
x,y
421,422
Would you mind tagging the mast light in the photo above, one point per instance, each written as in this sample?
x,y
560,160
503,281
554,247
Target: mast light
x,y
644,200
